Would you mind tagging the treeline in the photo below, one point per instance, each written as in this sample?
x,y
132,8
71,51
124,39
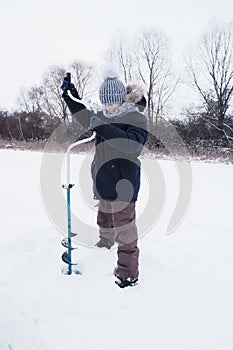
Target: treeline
x,y
146,59
199,133
26,126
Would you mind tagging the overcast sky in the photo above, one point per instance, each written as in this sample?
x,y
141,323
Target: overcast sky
x,y
38,34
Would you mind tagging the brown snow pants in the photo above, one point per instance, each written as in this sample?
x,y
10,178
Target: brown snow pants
x,y
116,222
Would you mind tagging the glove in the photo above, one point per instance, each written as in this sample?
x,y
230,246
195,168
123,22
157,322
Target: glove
x,y
95,123
67,85
73,106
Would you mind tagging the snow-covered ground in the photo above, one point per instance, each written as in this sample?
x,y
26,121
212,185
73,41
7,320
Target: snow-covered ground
x,y
184,300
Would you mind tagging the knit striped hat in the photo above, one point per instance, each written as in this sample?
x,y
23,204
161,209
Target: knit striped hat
x,y
112,89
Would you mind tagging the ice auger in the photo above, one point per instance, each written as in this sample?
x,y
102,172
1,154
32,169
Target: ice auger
x,y
67,242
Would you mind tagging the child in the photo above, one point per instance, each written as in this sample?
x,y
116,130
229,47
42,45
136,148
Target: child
x,y
120,136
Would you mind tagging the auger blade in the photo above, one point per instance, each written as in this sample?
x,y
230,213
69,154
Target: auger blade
x,y
66,259
65,243
72,234
65,271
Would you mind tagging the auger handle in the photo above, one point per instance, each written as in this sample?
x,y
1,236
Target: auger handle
x,y
88,139
68,77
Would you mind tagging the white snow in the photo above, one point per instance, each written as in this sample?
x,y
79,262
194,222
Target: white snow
x,y
185,296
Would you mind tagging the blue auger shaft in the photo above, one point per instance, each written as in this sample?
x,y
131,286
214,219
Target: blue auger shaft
x,y
69,231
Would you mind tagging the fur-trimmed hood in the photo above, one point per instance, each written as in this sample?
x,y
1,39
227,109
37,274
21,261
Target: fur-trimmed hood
x,y
135,93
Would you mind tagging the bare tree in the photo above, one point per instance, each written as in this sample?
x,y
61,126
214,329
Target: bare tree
x,y
121,55
55,104
154,70
212,73
146,59
47,98
32,100
82,74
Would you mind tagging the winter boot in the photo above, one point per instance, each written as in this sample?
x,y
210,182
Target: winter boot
x,y
129,282
104,243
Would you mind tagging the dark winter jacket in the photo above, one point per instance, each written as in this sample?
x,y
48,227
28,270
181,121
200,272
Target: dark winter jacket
x,y
119,142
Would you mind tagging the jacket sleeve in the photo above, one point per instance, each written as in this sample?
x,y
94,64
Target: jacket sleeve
x,y
129,142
